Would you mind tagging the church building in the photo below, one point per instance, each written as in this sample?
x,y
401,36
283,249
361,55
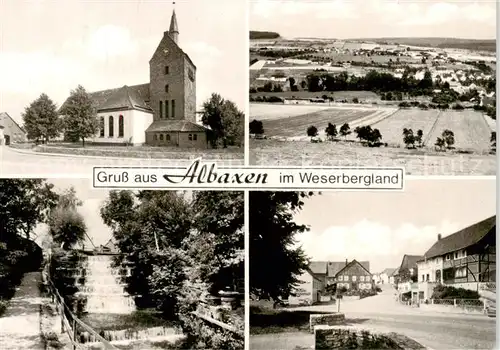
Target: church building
x,y
159,113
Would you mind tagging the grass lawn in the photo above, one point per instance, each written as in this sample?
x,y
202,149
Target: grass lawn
x,y
415,162
145,152
266,320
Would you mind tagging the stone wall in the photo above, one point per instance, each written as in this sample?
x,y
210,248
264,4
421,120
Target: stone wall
x,y
325,319
327,337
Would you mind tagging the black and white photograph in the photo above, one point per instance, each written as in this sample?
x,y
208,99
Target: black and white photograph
x,y
374,270
97,269
87,83
374,83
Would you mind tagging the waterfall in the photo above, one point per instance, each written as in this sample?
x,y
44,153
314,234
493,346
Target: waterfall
x,y
104,292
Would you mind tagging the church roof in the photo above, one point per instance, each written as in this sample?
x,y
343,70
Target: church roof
x,y
175,125
168,37
124,98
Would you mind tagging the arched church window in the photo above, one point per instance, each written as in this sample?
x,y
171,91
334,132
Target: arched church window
x,y
166,88
161,137
161,109
167,70
167,137
120,126
173,108
195,137
101,127
111,126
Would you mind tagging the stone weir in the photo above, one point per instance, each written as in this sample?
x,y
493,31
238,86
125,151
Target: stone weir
x,y
102,288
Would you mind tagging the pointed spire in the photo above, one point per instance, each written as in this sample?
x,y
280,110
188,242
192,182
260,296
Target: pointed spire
x,y
174,29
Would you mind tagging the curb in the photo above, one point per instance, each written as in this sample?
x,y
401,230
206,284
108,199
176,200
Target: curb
x,y
113,157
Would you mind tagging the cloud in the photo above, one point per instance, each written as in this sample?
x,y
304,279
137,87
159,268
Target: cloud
x,y
202,49
320,9
110,41
437,13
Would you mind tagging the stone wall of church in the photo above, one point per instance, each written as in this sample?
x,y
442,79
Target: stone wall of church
x,y
190,91
168,55
177,139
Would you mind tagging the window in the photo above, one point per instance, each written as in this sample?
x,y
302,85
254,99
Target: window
x,y
195,137
111,126
120,126
161,109
423,278
161,137
167,70
461,272
456,255
167,112
354,278
173,108
101,127
427,277
167,137
156,137
190,137
166,88
191,75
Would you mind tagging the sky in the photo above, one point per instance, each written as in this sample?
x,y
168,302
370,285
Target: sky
x,y
92,200
344,19
380,227
59,44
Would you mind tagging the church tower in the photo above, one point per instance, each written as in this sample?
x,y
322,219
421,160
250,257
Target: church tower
x,y
174,29
172,79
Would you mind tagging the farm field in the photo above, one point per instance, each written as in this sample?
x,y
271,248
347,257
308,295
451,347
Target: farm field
x,y
296,126
265,111
392,128
471,130
416,162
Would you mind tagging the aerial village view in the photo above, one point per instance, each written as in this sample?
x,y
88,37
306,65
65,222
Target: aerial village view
x,y
325,276
118,92
417,91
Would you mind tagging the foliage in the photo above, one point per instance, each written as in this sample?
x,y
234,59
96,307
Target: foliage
x,y
312,131
41,120
419,137
345,130
409,138
371,136
24,203
448,137
274,260
447,292
80,116
493,139
256,127
440,143
225,120
331,131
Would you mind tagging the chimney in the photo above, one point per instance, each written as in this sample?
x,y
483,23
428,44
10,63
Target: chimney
x,y
439,236
346,262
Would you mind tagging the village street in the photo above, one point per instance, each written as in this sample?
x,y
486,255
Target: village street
x,y
432,329
15,163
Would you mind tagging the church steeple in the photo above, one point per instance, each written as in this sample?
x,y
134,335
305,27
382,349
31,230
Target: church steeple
x,y
174,29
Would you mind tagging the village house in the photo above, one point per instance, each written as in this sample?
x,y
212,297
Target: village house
x,y
308,291
351,275
464,259
159,113
386,276
11,131
406,276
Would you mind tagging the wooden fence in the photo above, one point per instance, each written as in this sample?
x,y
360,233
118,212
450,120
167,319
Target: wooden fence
x,y
69,322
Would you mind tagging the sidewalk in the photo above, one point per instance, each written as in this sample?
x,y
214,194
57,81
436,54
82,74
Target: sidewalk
x,y
20,324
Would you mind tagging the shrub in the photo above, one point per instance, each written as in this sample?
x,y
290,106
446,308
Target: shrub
x,y
3,306
447,292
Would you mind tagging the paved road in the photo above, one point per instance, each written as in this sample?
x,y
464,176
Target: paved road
x,y
432,329
14,163
20,325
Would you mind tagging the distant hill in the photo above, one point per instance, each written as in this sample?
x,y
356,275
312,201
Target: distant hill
x,y
450,43
255,34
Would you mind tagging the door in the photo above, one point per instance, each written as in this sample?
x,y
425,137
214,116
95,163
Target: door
x,y
7,139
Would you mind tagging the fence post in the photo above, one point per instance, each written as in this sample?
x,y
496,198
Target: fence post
x,y
74,334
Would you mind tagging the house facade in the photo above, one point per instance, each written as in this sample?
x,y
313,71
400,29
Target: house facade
x,y
307,291
11,130
354,276
386,276
159,113
464,259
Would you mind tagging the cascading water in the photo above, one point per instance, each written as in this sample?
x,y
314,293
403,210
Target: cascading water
x,y
103,291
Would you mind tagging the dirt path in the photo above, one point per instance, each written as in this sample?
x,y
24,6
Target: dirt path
x,y
20,324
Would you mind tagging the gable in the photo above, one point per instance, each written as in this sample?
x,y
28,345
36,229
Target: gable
x,y
6,121
173,50
354,268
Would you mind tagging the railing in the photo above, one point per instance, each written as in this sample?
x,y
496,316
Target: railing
x,y
69,322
